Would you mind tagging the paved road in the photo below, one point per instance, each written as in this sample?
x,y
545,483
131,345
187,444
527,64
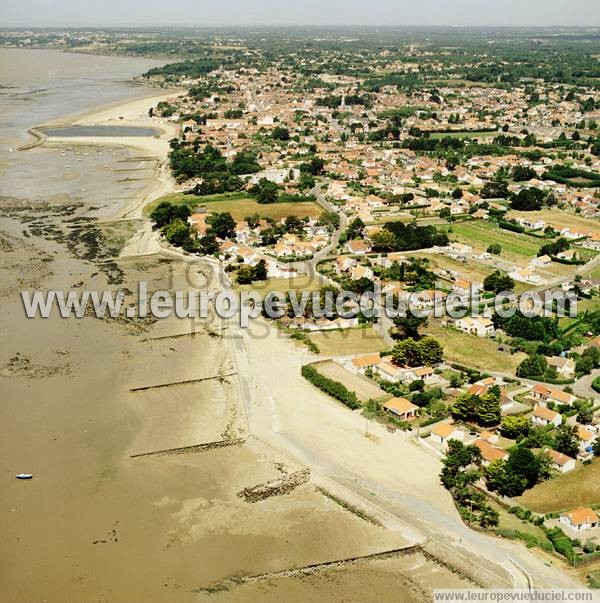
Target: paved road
x,y
583,387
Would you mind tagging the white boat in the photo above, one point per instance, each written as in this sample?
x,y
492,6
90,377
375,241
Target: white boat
x,y
24,476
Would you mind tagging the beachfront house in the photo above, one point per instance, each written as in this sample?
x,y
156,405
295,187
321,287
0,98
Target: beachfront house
x,y
442,433
580,519
401,409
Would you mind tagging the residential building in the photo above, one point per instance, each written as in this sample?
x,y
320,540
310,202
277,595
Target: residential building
x,y
401,408
544,416
442,433
478,325
580,519
561,462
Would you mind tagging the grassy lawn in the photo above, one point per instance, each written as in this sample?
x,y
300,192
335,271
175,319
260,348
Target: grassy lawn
x,y
465,134
580,487
240,206
508,521
594,579
481,234
558,217
296,283
477,352
348,341
472,270
582,306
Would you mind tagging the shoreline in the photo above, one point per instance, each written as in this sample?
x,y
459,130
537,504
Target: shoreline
x,y
130,112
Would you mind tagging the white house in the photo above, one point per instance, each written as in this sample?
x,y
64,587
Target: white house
x,y
478,325
561,462
544,416
442,433
390,372
542,260
564,366
401,408
580,519
361,363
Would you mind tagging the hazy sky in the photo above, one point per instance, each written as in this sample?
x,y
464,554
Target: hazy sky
x,y
299,12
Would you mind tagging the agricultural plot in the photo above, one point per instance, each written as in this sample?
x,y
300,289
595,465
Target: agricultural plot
x,y
241,206
477,352
575,489
361,386
348,341
480,235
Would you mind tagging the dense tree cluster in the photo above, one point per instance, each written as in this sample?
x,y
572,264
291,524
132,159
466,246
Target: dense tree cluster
x,y
483,410
462,469
423,352
536,328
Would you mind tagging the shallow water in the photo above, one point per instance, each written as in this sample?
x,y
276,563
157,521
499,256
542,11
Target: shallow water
x,y
109,131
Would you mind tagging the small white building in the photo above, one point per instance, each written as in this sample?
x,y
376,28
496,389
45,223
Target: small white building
x,y
580,519
561,462
442,433
478,325
543,416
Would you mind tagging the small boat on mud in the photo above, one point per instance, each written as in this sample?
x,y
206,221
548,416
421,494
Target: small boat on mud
x,y
24,476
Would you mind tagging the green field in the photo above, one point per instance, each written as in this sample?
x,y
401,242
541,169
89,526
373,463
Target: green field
x,y
558,217
464,134
477,352
240,206
510,522
348,341
594,579
578,488
481,235
296,283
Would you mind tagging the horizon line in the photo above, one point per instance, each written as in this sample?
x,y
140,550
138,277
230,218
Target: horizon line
x,y
295,26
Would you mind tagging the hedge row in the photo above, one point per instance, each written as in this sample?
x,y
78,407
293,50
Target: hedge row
x,y
333,388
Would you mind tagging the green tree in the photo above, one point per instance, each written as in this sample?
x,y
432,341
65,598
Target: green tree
x,y
406,352
585,416
431,351
280,133
533,366
515,426
329,219
260,271
408,326
208,244
355,229
494,190
525,464
498,281
222,224
499,478
166,212
522,173
265,191
465,406
495,249
529,199
384,240
566,440
488,410
177,232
